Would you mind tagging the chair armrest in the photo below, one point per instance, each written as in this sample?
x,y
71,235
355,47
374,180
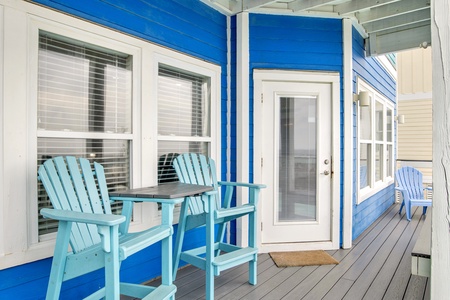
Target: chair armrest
x,y
242,184
399,188
75,216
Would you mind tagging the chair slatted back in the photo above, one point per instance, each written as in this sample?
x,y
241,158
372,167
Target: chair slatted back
x,y
196,169
72,185
410,179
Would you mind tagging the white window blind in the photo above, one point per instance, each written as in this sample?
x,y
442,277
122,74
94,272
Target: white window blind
x,y
83,89
183,117
182,106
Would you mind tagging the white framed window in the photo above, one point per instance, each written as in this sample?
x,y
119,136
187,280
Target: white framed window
x,y
84,101
375,163
74,88
188,117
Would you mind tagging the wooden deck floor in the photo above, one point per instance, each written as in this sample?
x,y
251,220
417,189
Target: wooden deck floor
x,y
378,266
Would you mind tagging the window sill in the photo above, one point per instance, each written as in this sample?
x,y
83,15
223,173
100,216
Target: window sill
x,y
369,192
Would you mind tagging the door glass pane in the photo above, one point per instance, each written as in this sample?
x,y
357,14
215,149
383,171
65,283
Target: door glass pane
x,y
297,159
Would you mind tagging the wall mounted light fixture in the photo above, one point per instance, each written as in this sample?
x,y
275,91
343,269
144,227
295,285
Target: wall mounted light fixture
x,y
363,98
400,119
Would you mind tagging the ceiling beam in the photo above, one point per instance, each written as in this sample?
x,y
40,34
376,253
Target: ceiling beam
x,y
393,9
301,5
356,5
401,20
250,4
398,40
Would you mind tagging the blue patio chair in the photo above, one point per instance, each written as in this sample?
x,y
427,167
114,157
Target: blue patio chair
x,y
217,255
410,184
97,238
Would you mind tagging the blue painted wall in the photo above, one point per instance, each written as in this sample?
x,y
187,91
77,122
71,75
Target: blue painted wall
x,y
371,71
296,43
171,23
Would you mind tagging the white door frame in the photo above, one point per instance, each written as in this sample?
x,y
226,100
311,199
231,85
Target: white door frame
x,y
304,76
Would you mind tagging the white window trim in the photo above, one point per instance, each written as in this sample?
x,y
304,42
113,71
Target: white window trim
x,y
19,46
374,186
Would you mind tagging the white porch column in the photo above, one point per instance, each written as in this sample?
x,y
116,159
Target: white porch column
x,y
440,236
348,134
242,110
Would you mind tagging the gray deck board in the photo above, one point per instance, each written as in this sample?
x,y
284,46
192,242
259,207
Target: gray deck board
x,y
378,266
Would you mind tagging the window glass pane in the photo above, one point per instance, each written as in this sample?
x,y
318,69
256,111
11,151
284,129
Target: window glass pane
x,y
378,162
183,104
168,150
82,88
114,155
365,122
379,118
364,165
389,122
389,160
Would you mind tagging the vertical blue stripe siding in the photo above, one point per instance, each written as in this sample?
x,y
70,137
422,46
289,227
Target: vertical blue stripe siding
x,y
371,71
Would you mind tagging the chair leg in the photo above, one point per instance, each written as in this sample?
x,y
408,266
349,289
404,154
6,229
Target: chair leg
x,y
252,223
252,277
401,207
112,265
408,211
210,251
59,261
424,210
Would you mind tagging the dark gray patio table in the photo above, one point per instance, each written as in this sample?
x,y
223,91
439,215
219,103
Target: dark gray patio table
x,y
169,193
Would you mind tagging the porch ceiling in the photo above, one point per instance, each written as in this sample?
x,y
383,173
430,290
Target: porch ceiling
x,y
387,25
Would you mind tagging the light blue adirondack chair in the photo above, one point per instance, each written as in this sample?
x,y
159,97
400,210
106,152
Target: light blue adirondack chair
x,y
97,238
410,184
217,255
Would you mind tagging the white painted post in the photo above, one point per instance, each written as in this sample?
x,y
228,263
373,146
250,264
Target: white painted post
x,y
440,236
242,111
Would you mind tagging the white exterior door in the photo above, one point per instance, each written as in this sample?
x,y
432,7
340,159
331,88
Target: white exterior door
x,y
297,164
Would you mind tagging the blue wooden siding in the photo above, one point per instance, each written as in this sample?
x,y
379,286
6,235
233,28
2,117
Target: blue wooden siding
x,y
171,23
371,71
189,26
296,43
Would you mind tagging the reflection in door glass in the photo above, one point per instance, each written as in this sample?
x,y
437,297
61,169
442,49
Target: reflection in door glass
x,y
297,159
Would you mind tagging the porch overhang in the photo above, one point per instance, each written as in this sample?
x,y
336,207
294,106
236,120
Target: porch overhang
x,y
387,25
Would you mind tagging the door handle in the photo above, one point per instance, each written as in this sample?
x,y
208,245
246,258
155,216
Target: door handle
x,y
326,172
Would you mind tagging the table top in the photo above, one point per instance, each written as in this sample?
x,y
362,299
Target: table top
x,y
164,191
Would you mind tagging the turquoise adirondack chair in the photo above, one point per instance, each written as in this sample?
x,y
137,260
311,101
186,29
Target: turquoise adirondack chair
x,y
410,184
217,255
97,238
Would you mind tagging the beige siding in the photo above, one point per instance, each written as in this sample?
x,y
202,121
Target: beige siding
x,y
414,144
415,135
414,71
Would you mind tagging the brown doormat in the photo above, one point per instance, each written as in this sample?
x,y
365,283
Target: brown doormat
x,y
302,258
